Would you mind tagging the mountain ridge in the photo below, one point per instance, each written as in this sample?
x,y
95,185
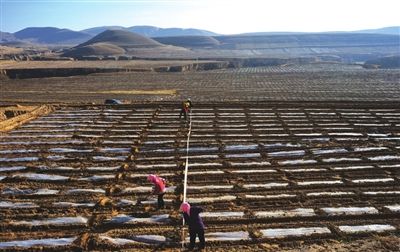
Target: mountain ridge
x,y
57,36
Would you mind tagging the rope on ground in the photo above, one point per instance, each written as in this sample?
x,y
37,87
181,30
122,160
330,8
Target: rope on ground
x,y
185,174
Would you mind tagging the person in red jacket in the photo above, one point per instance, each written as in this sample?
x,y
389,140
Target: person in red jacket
x,y
196,226
158,189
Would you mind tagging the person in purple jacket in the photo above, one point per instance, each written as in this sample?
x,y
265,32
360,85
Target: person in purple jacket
x,y
195,223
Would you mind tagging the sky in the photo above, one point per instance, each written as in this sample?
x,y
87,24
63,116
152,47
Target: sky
x,y
220,16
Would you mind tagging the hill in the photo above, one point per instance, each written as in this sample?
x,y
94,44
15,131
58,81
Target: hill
x,y
51,35
384,62
123,39
317,40
119,42
394,30
97,30
6,36
98,49
189,41
151,31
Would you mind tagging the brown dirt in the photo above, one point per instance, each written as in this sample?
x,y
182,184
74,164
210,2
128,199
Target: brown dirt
x,y
231,124
324,82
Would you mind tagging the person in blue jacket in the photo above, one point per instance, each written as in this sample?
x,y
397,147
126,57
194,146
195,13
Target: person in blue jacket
x,y
196,226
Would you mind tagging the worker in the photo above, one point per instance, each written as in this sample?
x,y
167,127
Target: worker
x,y
186,108
158,189
196,226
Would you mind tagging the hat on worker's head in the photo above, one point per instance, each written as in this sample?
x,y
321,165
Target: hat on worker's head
x,y
185,207
151,178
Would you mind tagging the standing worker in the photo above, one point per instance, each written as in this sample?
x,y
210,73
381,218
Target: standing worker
x,y
159,188
185,109
195,223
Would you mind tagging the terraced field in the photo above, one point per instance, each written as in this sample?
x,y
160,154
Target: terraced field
x,y
76,178
307,82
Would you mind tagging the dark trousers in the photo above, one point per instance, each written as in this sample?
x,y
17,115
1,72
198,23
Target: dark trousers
x,y
160,201
185,113
200,234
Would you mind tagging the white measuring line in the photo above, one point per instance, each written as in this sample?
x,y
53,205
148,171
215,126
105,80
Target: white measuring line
x,y
186,172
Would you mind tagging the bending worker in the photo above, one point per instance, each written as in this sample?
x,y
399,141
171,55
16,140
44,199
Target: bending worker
x,y
196,226
159,188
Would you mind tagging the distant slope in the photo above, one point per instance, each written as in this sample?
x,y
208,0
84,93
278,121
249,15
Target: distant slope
x,y
6,36
189,41
307,40
152,31
123,39
51,35
384,62
394,30
97,30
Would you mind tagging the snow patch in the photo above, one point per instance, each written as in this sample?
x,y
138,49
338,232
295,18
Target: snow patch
x,y
211,199
19,159
42,242
287,153
285,232
305,170
103,168
328,151
103,158
210,187
382,193
263,163
244,155
227,236
8,204
41,177
222,214
366,228
382,180
394,208
353,167
253,171
383,158
126,219
329,194
321,182
204,164
97,178
361,149
69,150
335,160
267,185
72,204
205,172
298,212
84,191
17,191
276,196
17,151
349,210
297,162
61,221
12,168
241,147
